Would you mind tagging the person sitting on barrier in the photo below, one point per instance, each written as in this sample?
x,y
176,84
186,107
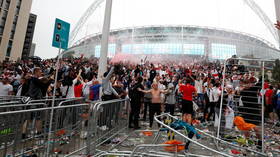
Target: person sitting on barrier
x,y
191,131
246,128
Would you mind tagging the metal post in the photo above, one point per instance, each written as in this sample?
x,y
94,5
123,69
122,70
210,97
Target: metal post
x,y
53,100
277,10
263,107
104,42
222,96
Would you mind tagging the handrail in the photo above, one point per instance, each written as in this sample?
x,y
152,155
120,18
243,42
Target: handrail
x,y
22,105
43,109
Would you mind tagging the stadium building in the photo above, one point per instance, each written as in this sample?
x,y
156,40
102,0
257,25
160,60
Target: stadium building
x,y
197,41
162,34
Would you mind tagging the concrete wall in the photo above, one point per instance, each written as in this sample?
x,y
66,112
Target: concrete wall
x,y
21,29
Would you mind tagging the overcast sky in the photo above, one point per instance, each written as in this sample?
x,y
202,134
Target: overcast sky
x,y
229,14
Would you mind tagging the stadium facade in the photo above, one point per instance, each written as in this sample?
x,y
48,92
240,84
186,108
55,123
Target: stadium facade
x,y
206,42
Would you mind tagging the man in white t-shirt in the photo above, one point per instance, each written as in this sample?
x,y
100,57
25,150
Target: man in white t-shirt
x,y
5,88
200,91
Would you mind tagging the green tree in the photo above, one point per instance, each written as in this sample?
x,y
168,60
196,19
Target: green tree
x,y
276,71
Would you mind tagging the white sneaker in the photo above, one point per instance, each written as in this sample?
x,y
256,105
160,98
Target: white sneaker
x,y
83,134
104,128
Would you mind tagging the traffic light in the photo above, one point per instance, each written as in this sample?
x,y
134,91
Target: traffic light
x,y
57,38
58,26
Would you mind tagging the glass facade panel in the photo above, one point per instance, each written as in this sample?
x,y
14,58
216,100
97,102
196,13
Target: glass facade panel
x,y
111,50
160,48
164,48
223,51
194,49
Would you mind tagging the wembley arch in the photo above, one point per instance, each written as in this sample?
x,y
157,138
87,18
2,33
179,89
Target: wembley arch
x,y
253,6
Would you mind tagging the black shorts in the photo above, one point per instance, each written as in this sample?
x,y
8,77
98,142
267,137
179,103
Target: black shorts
x,y
187,107
269,108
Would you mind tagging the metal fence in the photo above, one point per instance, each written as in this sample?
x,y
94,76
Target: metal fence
x,y
77,127
35,104
107,120
247,102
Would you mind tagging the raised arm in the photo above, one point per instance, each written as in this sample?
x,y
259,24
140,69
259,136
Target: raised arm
x,y
144,91
113,90
109,74
191,77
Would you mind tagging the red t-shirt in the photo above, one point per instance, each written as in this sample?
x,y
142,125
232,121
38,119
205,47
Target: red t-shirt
x,y
188,71
268,95
78,90
266,85
187,91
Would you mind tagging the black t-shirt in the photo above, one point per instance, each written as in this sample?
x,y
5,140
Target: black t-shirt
x,y
153,74
136,72
137,95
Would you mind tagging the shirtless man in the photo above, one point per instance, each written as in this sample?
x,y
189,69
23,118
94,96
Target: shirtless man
x,y
155,106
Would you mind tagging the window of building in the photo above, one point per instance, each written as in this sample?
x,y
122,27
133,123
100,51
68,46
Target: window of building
x,y
18,7
127,48
7,4
9,48
223,51
3,22
194,49
1,30
12,34
111,50
157,48
1,3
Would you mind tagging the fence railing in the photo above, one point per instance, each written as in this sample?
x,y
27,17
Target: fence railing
x,y
77,127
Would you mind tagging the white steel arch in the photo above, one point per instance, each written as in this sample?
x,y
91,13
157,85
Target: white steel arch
x,y
255,8
265,19
84,19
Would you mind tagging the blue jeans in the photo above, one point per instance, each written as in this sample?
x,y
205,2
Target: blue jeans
x,y
200,100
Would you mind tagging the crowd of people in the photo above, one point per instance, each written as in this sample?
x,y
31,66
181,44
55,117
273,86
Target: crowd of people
x,y
193,89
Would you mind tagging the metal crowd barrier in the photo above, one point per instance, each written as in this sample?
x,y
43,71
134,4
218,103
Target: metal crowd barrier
x,y
33,104
10,98
250,108
105,120
76,128
25,132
